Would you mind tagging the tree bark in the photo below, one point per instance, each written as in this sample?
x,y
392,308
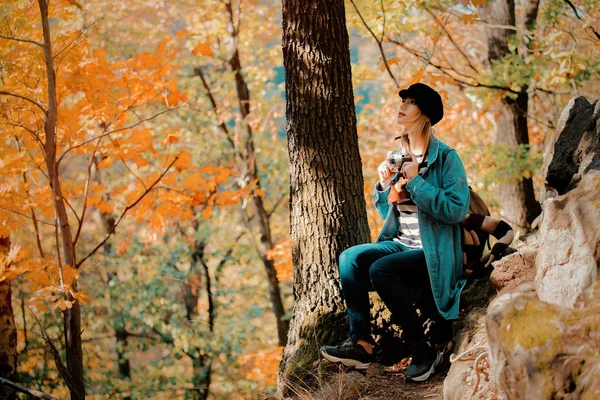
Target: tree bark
x,y
72,316
327,206
519,205
8,332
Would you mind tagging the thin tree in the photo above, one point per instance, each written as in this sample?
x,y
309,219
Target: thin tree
x,y
8,330
327,206
260,219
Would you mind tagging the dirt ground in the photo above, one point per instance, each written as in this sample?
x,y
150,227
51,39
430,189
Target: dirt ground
x,y
377,383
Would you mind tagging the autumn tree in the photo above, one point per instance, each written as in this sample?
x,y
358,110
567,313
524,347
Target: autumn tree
x,y
59,113
327,207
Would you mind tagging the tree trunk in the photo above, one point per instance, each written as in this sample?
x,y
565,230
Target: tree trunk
x,y
519,206
201,363
327,206
72,316
201,380
264,225
8,332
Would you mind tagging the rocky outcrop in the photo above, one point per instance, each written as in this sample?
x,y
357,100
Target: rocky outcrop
x,y
540,350
470,375
574,149
569,243
517,267
542,331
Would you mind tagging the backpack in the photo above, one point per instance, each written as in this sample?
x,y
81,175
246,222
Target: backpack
x,y
472,253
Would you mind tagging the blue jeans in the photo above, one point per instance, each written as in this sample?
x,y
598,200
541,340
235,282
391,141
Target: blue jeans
x,y
390,268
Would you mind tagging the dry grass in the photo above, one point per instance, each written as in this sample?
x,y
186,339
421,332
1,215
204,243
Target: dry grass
x,y
330,384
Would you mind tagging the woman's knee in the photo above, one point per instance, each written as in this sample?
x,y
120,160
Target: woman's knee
x,y
352,260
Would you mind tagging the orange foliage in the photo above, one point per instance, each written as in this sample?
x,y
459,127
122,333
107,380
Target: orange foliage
x,y
104,130
282,256
262,365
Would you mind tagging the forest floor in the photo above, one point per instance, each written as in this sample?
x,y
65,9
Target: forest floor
x,y
376,383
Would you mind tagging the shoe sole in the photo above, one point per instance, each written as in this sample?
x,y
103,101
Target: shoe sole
x,y
346,361
427,374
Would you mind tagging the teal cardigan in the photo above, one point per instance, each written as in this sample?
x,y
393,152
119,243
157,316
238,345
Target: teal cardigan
x,y
442,195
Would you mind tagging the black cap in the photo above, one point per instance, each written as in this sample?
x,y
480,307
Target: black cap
x,y
428,100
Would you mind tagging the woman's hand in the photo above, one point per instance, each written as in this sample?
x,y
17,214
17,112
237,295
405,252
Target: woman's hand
x,y
410,169
385,175
400,184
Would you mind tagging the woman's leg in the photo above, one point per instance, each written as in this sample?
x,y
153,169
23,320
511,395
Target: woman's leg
x,y
391,277
355,263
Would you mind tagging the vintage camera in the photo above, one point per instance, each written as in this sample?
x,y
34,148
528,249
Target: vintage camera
x,y
396,159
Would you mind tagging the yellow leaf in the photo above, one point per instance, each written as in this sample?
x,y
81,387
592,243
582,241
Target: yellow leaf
x,y
204,49
62,305
184,160
170,139
105,208
469,19
207,212
527,174
392,61
418,76
82,297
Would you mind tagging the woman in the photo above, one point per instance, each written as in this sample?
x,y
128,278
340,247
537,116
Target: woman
x,y
418,246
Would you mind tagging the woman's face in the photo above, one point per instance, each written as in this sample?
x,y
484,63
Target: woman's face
x,y
408,113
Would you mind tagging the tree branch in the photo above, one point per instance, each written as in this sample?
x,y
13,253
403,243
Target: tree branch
x,y
78,36
31,131
198,72
118,130
576,11
25,215
39,166
62,370
132,173
73,210
91,162
276,205
5,93
451,38
129,207
33,215
444,70
22,40
22,389
223,261
379,43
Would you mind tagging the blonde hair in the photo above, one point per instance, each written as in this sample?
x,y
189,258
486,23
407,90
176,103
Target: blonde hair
x,y
424,132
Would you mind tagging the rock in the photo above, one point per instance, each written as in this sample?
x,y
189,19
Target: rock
x,y
518,267
574,149
540,350
462,381
567,261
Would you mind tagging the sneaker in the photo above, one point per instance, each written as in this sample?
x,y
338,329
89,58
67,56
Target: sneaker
x,y
349,353
425,358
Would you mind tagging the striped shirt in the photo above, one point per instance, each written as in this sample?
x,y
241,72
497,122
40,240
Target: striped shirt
x,y
408,233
